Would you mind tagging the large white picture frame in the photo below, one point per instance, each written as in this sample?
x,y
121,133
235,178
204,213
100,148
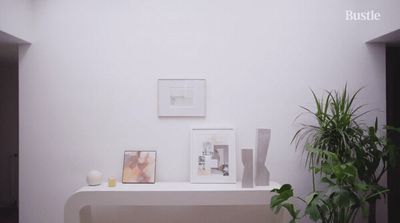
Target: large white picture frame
x,y
213,155
181,97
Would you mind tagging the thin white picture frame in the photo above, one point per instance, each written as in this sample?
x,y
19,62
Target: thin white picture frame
x,y
218,166
182,97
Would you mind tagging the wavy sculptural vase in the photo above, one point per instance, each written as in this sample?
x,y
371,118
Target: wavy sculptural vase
x,y
263,137
247,160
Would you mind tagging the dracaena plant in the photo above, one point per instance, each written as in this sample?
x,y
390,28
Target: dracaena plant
x,y
349,156
343,195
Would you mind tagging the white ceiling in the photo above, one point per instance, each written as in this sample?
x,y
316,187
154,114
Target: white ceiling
x,y
388,38
9,47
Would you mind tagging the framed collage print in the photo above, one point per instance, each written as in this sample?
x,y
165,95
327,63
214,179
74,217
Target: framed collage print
x,y
213,155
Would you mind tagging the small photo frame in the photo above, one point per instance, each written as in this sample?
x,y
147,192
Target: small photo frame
x,y
213,155
139,167
181,97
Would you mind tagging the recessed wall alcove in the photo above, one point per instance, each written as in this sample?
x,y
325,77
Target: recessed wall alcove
x,y
391,41
9,126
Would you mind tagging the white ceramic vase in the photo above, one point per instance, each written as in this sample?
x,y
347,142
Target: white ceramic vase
x,y
94,178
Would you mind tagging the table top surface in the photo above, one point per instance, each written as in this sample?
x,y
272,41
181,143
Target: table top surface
x,y
177,186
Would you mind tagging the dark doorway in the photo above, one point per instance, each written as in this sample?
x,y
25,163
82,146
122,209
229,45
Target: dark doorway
x,y
9,133
393,119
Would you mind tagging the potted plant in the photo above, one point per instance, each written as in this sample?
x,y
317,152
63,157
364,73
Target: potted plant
x,y
348,155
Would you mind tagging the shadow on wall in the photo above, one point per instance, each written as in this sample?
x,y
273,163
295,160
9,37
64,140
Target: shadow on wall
x,y
180,214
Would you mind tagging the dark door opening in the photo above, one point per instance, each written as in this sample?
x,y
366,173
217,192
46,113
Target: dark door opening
x,y
9,139
393,119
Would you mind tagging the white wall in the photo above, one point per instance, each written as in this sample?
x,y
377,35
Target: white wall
x,y
16,18
88,82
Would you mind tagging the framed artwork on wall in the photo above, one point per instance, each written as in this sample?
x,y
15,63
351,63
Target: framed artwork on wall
x,y
181,97
213,155
139,167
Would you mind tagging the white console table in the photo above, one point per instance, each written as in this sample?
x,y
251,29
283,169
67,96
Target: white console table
x,y
165,194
